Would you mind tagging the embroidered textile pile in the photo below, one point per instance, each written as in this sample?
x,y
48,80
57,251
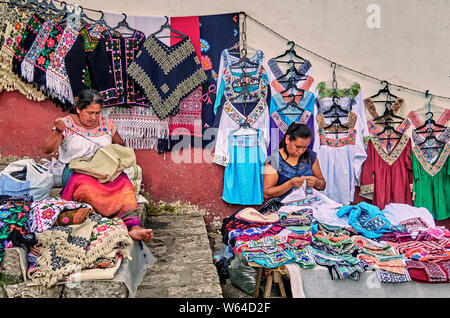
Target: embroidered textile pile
x,y
310,230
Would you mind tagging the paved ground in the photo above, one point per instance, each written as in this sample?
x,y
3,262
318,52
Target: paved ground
x,y
184,266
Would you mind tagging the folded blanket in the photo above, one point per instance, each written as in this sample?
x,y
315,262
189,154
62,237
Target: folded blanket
x,y
70,249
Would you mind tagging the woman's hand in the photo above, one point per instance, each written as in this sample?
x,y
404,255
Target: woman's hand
x,y
59,124
314,182
297,182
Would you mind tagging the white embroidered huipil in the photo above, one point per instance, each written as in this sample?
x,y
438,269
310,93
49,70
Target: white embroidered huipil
x,y
231,119
340,155
324,209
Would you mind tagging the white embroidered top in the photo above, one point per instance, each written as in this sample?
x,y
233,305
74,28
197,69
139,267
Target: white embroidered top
x,y
81,142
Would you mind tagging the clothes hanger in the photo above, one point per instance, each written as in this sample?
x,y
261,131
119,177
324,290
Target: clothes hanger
x,y
290,71
124,24
388,113
384,90
245,124
335,107
243,61
102,20
291,52
166,25
247,128
432,137
430,121
391,128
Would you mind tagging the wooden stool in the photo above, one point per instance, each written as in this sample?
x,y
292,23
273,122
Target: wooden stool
x,y
272,276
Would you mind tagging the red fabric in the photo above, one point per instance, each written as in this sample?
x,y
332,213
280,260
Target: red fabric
x,y
110,199
188,121
189,26
391,182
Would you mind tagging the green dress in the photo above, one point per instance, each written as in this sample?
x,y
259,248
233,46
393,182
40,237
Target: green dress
x,y
431,182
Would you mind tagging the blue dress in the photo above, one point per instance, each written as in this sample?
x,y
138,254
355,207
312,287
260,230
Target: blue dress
x,y
243,177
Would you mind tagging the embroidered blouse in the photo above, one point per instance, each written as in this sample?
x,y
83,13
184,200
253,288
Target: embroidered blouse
x,y
87,66
14,25
324,98
166,74
432,181
81,142
227,76
388,175
231,119
121,52
341,155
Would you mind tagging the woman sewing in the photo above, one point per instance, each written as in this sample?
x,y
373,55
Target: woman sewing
x,y
81,134
293,165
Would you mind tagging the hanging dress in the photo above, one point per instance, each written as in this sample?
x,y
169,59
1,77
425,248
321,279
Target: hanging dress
x,y
431,171
388,174
243,177
341,155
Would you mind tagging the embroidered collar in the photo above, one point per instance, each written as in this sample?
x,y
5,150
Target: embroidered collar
x,y
277,72
417,121
353,91
397,150
349,139
303,84
257,84
370,106
239,118
374,130
431,153
432,169
100,130
281,124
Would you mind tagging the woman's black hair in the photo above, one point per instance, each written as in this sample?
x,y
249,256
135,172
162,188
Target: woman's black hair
x,y
85,98
294,131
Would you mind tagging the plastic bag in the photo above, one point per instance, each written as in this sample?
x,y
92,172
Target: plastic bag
x,y
242,275
26,177
56,168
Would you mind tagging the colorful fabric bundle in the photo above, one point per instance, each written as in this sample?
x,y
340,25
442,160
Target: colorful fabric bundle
x,y
368,220
426,272
73,217
111,199
69,249
167,74
13,220
44,214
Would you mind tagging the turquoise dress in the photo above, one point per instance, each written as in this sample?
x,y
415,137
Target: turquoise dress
x,y
243,177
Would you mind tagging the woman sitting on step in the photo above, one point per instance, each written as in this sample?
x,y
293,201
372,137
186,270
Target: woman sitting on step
x,y
81,134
